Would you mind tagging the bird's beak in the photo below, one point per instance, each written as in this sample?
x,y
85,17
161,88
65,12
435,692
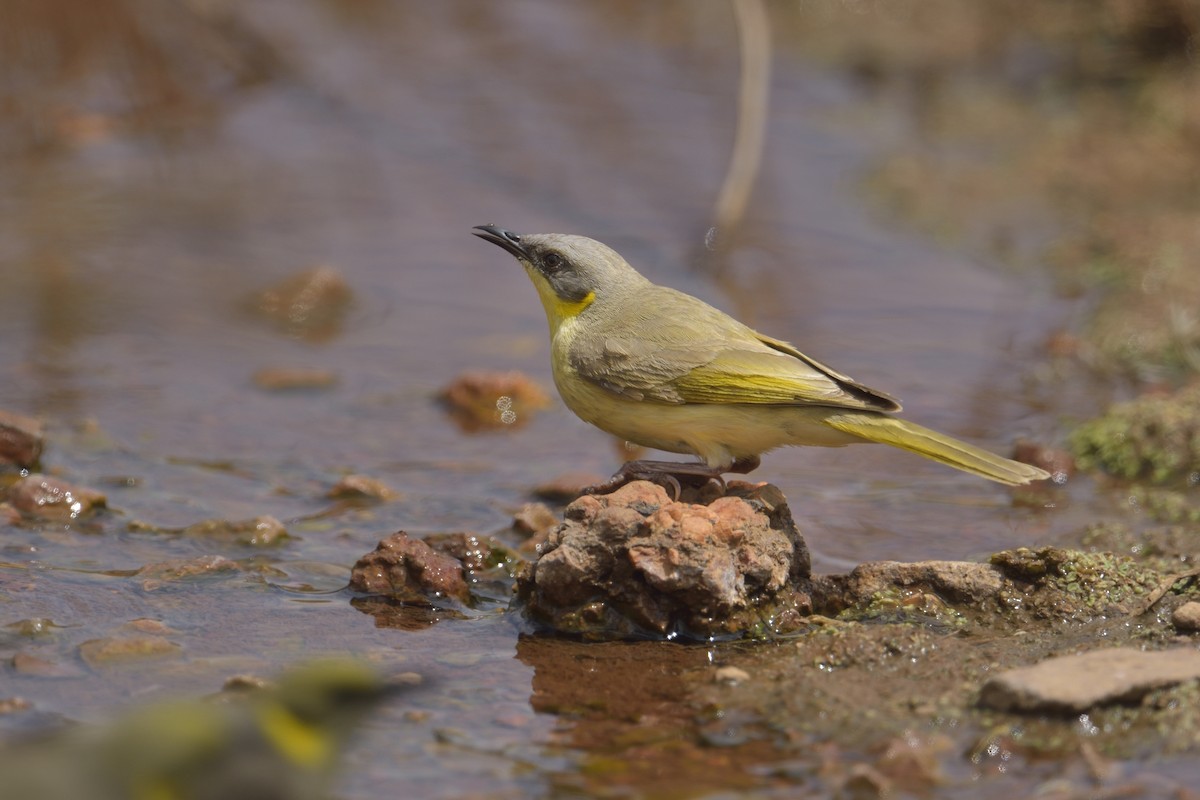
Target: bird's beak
x,y
507,239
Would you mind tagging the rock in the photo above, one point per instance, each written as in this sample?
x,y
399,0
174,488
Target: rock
x,y
122,649
635,563
864,782
1076,683
310,304
155,575
567,487
1059,463
731,675
479,401
361,487
285,379
20,440
477,554
256,532
534,521
13,705
411,571
1187,617
46,497
958,582
28,664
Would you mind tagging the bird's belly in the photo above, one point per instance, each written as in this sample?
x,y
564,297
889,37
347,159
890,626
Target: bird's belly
x,y
717,433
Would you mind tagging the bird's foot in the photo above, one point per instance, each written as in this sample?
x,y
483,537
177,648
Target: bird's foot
x,y
671,475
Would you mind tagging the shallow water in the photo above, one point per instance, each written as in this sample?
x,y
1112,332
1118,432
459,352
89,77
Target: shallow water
x,y
370,137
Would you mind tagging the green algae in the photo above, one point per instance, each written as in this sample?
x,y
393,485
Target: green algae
x,y
1154,438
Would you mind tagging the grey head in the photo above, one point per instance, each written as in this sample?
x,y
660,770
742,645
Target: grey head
x,y
573,266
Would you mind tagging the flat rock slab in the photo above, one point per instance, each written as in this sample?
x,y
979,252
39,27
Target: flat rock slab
x,y
1075,683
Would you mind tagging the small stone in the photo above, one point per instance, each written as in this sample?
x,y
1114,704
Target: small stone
x,y
33,626
566,487
21,440
155,575
12,705
534,519
119,650
47,497
311,304
239,684
477,554
361,487
289,379
147,625
1058,462
261,531
29,664
731,675
409,570
1076,683
864,782
479,401
1187,617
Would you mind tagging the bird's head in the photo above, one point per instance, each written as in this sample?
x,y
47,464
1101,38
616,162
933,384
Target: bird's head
x,y
569,272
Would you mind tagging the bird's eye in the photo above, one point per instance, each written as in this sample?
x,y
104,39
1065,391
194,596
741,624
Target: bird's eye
x,y
552,262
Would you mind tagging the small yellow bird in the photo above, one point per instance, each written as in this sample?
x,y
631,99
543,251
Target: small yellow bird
x,y
660,368
282,743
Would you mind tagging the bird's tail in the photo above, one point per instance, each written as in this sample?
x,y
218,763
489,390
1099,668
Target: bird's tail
x,y
939,447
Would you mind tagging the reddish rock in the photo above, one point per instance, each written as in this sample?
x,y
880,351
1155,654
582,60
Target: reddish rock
x,y
634,562
311,304
479,401
47,497
20,440
411,571
1059,463
477,554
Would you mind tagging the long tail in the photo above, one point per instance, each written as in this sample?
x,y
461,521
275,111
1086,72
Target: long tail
x,y
939,447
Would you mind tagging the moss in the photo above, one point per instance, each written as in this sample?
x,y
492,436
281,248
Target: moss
x,y
1073,584
1154,438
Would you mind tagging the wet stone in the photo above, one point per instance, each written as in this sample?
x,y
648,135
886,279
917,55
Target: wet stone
x,y
24,663
409,570
286,379
155,576
477,554
636,563
1187,617
123,649
311,304
361,487
47,497
20,440
261,531
567,487
534,521
480,401
1076,683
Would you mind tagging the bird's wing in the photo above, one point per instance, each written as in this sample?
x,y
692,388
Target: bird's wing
x,y
701,355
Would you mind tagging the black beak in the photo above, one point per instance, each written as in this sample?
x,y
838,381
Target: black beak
x,y
498,236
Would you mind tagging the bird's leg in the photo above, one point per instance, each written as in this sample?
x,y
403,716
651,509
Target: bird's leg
x,y
666,473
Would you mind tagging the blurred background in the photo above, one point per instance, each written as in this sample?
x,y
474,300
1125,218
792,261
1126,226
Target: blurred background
x,y
236,267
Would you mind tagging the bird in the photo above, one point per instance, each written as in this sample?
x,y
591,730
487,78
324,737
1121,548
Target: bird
x,y
660,368
279,743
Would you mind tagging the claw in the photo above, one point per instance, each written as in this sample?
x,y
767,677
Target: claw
x,y
668,474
